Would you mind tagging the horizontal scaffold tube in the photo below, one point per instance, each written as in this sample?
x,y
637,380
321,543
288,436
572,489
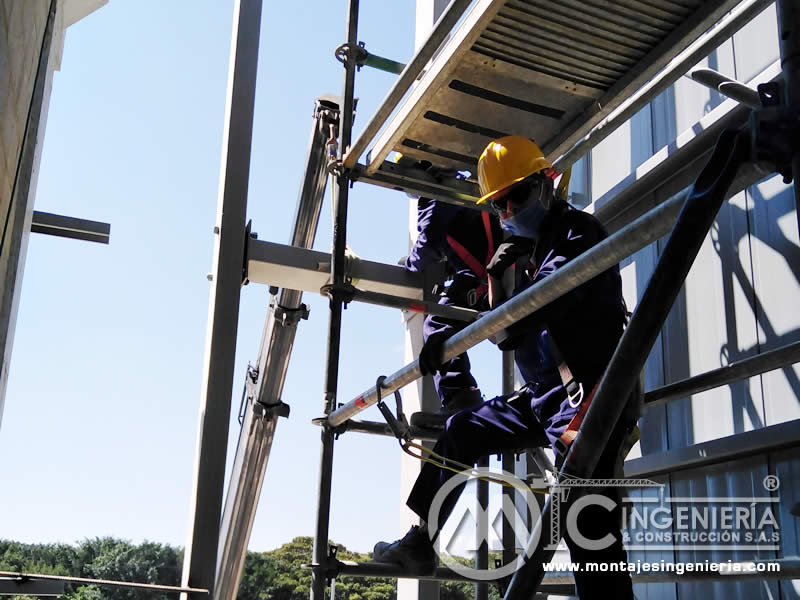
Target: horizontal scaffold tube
x,y
630,239
640,233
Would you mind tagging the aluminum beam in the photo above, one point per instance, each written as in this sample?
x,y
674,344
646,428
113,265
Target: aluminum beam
x,y
260,421
309,270
200,560
70,227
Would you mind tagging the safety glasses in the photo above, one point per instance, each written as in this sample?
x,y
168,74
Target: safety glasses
x,y
516,196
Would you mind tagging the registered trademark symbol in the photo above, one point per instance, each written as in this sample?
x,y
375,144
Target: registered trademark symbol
x,y
771,483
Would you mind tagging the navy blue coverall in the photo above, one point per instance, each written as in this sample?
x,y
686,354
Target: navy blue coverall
x,y
468,239
587,324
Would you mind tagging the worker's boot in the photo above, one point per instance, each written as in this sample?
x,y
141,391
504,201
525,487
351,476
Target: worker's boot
x,y
455,403
414,552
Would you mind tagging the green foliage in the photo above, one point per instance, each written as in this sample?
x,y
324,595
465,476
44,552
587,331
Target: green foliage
x,y
273,575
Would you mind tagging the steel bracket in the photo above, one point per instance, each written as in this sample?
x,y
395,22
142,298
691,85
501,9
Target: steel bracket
x,y
775,130
290,317
346,291
268,411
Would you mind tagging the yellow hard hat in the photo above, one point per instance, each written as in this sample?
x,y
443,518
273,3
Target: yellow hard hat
x,y
506,161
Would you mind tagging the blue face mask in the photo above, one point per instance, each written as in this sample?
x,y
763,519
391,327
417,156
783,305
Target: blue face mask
x,y
526,223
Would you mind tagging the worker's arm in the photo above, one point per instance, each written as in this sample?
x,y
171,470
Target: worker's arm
x,y
433,221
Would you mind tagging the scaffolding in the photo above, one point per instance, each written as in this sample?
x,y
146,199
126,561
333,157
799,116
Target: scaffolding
x,y
478,50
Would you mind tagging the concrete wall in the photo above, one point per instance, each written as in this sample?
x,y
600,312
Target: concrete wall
x,y
22,33
31,44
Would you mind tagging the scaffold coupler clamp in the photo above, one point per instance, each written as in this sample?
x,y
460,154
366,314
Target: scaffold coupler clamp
x,y
290,317
358,54
346,291
398,424
262,410
775,129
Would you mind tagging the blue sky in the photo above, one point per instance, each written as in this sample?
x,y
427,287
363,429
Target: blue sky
x,y
98,435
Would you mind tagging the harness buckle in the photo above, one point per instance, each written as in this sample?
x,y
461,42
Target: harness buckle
x,y
574,393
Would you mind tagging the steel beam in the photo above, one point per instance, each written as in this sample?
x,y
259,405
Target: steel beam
x,y
261,414
729,448
30,587
308,270
200,560
755,365
338,294
70,227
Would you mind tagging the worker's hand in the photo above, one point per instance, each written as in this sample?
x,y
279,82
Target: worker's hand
x,y
507,254
430,357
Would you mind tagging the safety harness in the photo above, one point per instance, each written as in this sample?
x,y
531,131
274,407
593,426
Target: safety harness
x,y
468,258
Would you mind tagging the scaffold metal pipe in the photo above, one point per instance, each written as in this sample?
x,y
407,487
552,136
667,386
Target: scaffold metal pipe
x,y
421,306
789,36
406,79
638,234
692,226
645,230
337,297
258,427
748,367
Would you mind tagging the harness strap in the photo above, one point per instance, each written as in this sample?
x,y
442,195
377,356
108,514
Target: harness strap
x,y
469,260
487,226
571,432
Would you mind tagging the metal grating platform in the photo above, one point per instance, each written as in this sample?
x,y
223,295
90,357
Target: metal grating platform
x,y
548,71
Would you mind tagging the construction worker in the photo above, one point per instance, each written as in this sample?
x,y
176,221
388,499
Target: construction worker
x,y
561,352
467,239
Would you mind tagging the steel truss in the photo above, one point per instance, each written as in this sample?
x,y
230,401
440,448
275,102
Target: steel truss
x,y
215,558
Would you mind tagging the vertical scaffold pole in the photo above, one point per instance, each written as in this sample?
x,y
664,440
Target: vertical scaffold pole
x,y
509,538
789,36
200,559
337,298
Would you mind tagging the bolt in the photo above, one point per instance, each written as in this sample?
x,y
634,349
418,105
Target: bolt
x,y
210,277
216,229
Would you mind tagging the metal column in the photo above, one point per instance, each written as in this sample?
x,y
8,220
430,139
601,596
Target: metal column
x,y
200,559
789,36
337,297
265,383
509,465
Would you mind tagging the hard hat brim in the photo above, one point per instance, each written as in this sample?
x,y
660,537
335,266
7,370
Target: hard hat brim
x,y
487,197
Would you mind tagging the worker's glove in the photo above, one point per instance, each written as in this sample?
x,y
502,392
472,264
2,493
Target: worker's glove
x,y
507,254
430,357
